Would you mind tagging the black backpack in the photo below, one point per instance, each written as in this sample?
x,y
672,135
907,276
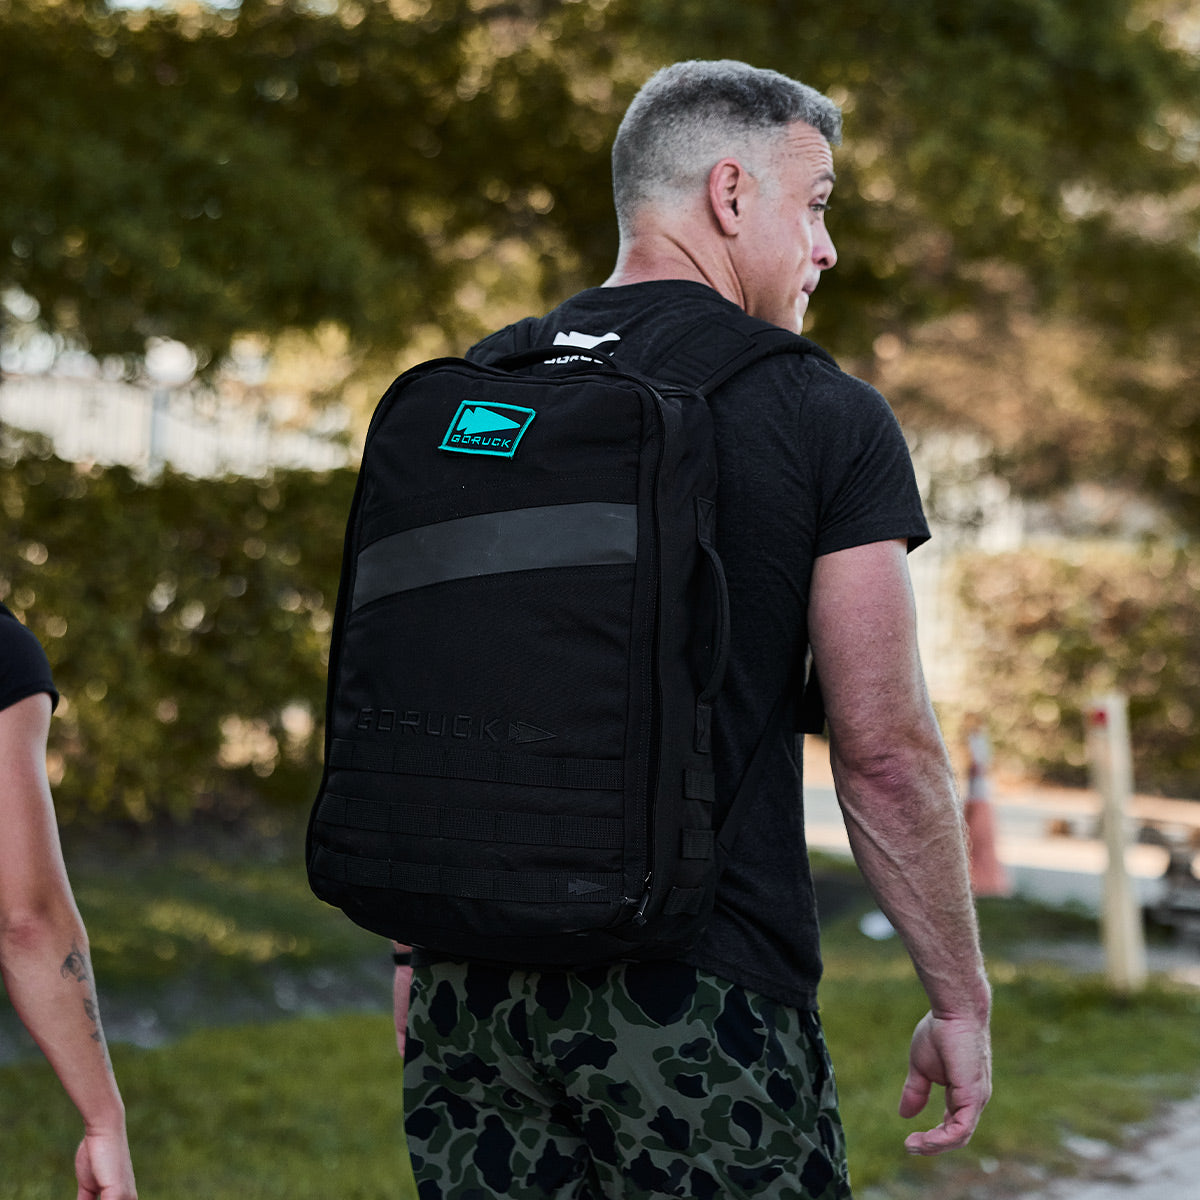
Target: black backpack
x,y
531,630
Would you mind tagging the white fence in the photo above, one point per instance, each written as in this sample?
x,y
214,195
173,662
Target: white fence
x,y
194,431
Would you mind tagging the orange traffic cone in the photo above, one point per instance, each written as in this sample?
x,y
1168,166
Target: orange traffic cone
x,y
988,874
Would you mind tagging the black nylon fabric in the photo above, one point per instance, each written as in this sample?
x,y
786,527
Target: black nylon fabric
x,y
811,461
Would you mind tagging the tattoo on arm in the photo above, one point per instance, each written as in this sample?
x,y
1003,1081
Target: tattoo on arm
x,y
75,966
93,1011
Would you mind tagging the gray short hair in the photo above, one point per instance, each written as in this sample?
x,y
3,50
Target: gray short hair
x,y
689,116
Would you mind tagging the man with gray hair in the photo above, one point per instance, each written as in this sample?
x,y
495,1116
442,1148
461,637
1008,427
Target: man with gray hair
x,y
708,1076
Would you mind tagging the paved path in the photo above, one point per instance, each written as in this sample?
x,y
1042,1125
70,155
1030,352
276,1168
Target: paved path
x,y
1162,1162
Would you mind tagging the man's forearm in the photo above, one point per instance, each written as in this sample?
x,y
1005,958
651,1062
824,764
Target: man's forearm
x,y
896,788
908,838
48,975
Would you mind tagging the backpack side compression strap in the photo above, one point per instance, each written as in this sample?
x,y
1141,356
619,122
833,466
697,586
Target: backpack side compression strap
x,y
707,355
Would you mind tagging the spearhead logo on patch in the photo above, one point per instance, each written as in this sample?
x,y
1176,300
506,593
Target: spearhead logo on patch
x,y
487,429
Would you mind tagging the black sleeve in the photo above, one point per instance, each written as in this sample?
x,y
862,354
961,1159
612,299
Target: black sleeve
x,y
24,668
868,485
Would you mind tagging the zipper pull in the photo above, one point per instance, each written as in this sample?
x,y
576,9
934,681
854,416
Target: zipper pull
x,y
639,917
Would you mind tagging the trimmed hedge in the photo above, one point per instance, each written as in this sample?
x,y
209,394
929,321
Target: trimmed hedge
x,y
1047,631
187,624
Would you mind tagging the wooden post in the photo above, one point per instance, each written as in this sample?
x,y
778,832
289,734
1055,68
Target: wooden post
x,y
1111,765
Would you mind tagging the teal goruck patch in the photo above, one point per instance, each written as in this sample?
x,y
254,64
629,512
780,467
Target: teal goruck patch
x,y
494,429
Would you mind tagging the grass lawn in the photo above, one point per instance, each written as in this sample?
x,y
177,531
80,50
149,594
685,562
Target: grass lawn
x,y
1070,1057
307,1108
252,1093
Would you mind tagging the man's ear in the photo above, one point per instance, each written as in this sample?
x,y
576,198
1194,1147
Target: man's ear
x,y
728,183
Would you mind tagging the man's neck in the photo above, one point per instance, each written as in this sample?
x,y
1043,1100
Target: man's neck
x,y
649,259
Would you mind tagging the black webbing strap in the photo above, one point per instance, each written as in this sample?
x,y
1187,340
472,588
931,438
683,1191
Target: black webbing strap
x,y
706,539
528,770
699,785
525,887
810,717
594,533
470,825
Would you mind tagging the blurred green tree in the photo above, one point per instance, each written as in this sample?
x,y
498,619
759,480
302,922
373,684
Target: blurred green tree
x,y
209,171
202,174
400,167
1048,633
187,624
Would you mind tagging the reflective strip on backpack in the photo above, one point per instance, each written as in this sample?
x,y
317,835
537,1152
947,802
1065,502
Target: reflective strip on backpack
x,y
594,533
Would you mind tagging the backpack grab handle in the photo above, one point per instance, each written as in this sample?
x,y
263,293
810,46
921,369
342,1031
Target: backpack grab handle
x,y
705,528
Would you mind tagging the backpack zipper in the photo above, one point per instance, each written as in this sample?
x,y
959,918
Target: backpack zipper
x,y
654,705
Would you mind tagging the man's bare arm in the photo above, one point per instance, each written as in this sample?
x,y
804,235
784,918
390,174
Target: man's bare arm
x,y
44,953
896,787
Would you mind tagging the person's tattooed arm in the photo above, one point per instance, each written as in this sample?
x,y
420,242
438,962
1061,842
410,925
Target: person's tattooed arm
x,y
76,966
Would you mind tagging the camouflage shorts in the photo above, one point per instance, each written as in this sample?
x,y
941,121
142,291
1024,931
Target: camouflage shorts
x,y
641,1080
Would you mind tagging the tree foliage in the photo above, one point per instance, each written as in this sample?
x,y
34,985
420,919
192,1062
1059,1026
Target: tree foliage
x,y
286,162
1018,179
1048,634
1017,216
199,175
187,625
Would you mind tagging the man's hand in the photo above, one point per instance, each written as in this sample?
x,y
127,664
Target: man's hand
x,y
103,1169
954,1054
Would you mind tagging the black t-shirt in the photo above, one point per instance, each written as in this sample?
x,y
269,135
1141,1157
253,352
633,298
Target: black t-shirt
x,y
24,668
810,461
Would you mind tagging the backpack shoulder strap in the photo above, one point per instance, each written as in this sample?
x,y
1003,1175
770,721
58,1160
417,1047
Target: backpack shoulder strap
x,y
510,340
704,357
711,352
